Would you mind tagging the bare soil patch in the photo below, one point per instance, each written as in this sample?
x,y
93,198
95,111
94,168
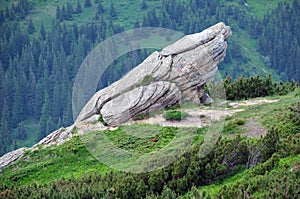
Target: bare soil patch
x,y
196,118
251,102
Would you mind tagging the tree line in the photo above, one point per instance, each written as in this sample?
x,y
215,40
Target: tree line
x,y
279,40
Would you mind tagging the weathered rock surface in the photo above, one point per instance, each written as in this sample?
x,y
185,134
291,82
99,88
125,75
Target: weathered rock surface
x,y
57,137
11,157
175,74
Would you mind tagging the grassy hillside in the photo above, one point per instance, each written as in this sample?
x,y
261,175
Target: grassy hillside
x,y
71,161
267,127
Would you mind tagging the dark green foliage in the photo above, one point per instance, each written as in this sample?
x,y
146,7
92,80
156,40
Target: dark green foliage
x,y
78,7
170,181
21,133
143,5
278,36
48,59
232,127
87,3
100,119
30,28
267,166
266,182
289,120
245,88
100,8
47,63
175,115
112,11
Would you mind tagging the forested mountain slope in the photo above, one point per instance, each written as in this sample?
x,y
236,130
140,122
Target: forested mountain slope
x,y
42,44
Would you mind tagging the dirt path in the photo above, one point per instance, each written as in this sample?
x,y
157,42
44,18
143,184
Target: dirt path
x,y
197,118
201,118
251,102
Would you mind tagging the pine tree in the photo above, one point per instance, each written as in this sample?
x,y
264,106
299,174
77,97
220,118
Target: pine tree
x,y
59,14
18,106
112,12
69,11
42,31
49,125
143,5
5,128
21,132
30,28
78,7
87,3
100,8
45,114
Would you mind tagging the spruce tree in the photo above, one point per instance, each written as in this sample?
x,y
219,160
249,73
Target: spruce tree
x,y
112,12
21,132
78,7
42,31
87,3
100,8
30,28
45,114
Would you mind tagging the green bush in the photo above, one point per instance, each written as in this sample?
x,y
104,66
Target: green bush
x,y
100,119
239,121
233,126
175,115
297,92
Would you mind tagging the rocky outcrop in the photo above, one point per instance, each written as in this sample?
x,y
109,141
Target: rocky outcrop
x,y
11,157
165,78
57,137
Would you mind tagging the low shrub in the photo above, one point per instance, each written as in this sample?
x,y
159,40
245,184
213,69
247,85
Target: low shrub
x,y
100,119
175,115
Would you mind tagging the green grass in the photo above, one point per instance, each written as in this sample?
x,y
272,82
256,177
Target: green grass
x,y
260,8
47,164
73,159
175,115
266,113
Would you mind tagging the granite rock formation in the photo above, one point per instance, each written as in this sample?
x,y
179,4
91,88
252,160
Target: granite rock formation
x,y
165,78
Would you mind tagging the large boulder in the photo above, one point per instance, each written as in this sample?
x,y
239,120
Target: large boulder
x,y
165,78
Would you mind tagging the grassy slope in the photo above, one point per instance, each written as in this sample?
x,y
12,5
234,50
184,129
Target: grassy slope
x,y
265,115
73,159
